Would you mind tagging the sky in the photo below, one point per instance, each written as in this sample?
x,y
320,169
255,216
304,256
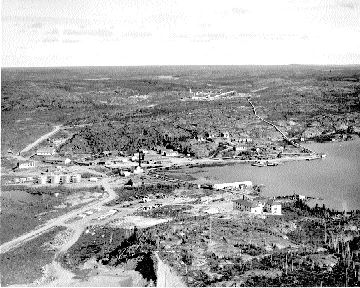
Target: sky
x,y
40,33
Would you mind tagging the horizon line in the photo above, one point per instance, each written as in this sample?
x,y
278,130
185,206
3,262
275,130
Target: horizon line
x,y
171,65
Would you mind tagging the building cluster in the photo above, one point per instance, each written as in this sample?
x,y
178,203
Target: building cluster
x,y
57,141
25,165
45,179
227,186
28,179
213,95
258,206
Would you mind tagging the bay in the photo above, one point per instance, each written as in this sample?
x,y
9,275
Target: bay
x,y
335,179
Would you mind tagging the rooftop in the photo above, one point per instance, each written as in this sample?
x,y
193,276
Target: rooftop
x,y
247,203
46,149
273,202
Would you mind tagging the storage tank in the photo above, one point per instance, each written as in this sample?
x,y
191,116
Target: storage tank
x,y
55,179
43,179
76,178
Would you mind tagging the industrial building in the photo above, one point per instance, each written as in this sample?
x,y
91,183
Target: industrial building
x,y
233,185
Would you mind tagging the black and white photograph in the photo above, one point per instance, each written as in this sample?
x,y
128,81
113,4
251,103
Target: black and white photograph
x,y
180,143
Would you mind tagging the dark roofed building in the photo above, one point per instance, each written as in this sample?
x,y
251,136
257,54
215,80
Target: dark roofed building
x,y
248,206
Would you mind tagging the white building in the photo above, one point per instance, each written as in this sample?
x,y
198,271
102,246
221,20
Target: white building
x,y
58,141
138,170
300,197
125,173
169,153
46,151
241,148
26,165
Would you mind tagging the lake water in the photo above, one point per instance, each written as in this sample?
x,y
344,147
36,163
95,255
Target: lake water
x,y
335,178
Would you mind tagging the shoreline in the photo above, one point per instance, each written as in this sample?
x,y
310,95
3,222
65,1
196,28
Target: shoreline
x,y
320,179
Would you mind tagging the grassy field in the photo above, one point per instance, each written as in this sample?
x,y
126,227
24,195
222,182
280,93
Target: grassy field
x,y
23,265
22,208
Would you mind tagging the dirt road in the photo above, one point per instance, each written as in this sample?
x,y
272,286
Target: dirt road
x,y
42,138
60,221
166,277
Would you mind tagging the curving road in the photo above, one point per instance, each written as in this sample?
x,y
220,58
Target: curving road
x,y
59,221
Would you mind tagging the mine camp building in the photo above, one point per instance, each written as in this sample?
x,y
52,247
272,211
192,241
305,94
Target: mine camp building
x,y
58,141
46,151
258,206
64,161
25,165
240,148
169,153
273,207
233,185
225,134
248,206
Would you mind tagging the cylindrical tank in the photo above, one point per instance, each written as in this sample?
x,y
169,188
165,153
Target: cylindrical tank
x,y
76,178
67,178
43,179
55,179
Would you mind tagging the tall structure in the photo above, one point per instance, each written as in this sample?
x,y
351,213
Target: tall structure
x,y
141,156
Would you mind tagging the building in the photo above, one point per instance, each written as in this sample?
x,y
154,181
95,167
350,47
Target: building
x,y
262,201
233,185
169,153
125,173
84,163
23,179
248,206
42,179
58,141
64,161
241,148
225,134
273,207
138,170
46,151
245,140
300,197
209,135
200,138
25,165
75,178
138,156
